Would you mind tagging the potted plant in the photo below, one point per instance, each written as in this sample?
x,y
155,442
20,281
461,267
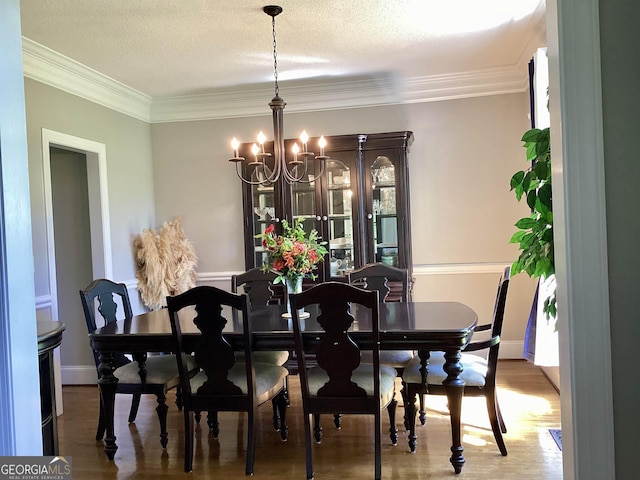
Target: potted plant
x,y
535,232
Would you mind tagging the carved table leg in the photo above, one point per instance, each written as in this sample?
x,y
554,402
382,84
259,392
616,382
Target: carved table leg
x,y
455,391
108,383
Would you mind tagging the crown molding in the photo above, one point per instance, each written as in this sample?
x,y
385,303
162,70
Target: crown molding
x,y
49,67
495,81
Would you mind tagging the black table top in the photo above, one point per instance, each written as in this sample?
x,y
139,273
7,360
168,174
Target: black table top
x,y
414,325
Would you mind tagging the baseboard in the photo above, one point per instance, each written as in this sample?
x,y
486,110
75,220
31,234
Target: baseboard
x,y
511,349
553,375
79,375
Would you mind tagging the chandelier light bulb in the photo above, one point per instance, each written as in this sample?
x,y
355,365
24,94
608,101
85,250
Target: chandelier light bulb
x,y
235,144
322,143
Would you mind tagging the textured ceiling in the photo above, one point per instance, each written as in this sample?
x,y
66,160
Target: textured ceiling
x,y
188,47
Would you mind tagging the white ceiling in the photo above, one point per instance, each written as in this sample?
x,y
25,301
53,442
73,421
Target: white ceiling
x,y
169,48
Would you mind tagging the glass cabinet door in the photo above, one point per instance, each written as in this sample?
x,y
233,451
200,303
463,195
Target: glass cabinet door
x,y
264,213
384,208
339,216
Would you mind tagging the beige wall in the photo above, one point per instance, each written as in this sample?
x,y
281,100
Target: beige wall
x,y
462,211
129,171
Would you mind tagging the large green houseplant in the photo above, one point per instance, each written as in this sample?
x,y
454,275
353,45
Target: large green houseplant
x,y
535,232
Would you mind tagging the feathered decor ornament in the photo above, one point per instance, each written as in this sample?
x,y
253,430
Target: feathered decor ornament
x,y
165,263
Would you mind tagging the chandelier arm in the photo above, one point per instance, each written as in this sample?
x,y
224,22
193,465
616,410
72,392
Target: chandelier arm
x,y
291,178
313,179
250,182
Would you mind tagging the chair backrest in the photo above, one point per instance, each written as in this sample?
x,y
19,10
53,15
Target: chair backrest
x,y
213,353
493,343
392,283
337,354
258,285
105,292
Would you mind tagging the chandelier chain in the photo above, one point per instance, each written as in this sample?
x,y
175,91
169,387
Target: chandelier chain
x,y
275,56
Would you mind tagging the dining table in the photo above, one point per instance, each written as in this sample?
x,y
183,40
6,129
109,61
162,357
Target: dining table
x,y
418,326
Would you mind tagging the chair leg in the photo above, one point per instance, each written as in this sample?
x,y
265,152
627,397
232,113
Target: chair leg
x,y
179,398
378,446
490,396
307,443
282,410
286,390
212,422
101,423
503,426
135,403
317,429
412,391
188,441
423,410
162,416
276,416
251,447
337,420
393,431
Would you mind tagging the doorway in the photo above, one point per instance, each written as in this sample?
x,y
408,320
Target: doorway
x,y
78,241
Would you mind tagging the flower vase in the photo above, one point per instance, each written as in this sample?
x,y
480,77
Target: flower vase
x,y
294,286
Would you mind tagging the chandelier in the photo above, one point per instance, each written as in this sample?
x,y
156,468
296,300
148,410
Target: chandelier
x,y
296,170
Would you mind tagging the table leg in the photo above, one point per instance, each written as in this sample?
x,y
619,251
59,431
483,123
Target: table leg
x,y
108,383
455,391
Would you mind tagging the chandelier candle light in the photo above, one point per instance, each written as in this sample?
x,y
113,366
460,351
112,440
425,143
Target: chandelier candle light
x,y
296,170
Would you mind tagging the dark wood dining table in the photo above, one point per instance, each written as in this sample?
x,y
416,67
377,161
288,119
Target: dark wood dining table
x,y
420,326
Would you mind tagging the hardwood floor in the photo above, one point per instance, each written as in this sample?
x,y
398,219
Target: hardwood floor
x,y
529,403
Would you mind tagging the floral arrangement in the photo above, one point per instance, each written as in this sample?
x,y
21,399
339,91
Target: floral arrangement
x,y
292,255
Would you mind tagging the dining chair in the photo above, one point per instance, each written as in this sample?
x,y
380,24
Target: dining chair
x,y
478,372
259,287
340,382
392,285
223,384
158,374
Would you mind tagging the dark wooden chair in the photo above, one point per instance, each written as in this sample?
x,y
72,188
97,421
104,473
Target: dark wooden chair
x,y
392,285
259,287
223,384
479,372
340,382
159,372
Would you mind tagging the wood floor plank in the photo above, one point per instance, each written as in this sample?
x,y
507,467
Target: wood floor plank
x,y
529,403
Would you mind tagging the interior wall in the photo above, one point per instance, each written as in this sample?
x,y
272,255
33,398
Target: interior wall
x,y
129,175
462,212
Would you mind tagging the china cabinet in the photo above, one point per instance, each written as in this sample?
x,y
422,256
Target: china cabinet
x,y
359,202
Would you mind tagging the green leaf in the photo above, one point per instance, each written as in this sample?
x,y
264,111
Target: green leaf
x,y
542,169
517,179
531,135
526,181
526,223
518,236
531,199
545,195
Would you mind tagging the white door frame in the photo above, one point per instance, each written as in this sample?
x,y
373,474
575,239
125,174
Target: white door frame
x,y
99,225
96,154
